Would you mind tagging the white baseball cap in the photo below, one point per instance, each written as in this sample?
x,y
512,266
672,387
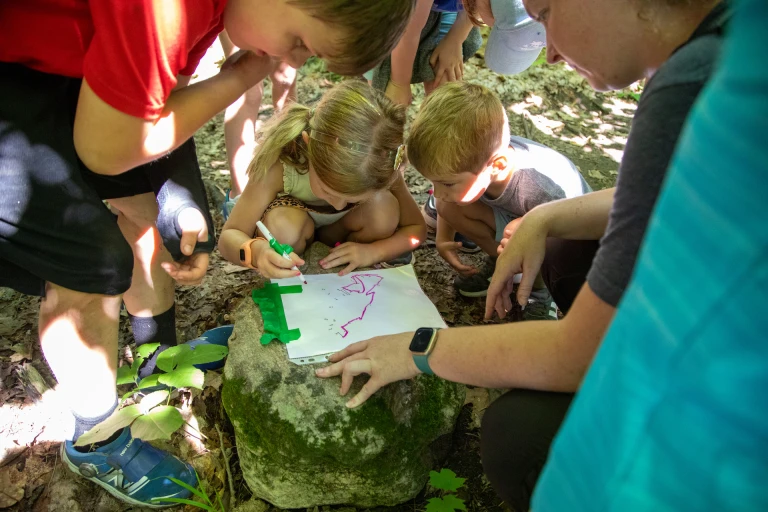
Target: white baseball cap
x,y
515,40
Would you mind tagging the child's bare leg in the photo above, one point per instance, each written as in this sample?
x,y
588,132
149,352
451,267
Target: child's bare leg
x,y
283,85
152,289
291,226
429,87
78,335
375,219
475,221
240,123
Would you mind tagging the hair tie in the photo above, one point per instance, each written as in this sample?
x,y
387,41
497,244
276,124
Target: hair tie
x,y
399,156
310,113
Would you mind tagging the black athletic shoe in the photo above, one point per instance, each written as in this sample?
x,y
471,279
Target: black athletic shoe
x,y
406,259
429,212
476,285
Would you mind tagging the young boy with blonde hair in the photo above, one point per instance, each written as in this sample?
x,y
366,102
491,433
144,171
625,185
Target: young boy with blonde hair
x,y
484,178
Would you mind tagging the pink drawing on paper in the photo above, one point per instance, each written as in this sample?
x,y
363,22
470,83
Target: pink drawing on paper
x,y
363,284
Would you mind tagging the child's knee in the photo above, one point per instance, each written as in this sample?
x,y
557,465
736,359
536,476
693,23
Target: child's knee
x,y
382,217
449,211
290,226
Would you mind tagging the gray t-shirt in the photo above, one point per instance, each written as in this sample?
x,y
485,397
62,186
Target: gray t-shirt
x,y
542,175
661,113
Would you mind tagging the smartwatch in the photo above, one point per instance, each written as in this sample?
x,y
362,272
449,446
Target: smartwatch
x,y
422,343
246,258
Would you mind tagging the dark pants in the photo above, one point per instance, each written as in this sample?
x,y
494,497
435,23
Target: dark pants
x,y
519,427
54,226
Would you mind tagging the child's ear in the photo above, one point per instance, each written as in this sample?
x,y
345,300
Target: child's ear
x,y
305,137
501,160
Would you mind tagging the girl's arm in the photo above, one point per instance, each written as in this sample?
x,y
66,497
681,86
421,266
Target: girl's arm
x,y
241,225
411,230
399,86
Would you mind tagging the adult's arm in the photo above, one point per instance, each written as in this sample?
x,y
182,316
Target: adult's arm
x,y
578,218
544,355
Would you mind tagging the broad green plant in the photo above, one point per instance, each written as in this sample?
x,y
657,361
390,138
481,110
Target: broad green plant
x,y
447,482
153,417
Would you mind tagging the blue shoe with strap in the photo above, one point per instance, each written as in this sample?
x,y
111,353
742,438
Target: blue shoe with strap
x,y
132,470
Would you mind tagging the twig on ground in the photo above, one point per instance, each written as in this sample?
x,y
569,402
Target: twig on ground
x,y
231,481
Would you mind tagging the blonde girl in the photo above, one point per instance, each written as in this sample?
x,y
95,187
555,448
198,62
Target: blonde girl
x,y
329,173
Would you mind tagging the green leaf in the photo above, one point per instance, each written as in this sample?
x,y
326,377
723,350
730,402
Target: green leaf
x,y
448,503
183,377
205,354
125,375
184,355
159,423
146,349
153,399
119,419
168,358
149,381
445,480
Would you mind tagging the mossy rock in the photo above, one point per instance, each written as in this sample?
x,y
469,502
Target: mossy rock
x,y
299,446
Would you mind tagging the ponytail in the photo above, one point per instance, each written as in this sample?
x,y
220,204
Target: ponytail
x,y
281,140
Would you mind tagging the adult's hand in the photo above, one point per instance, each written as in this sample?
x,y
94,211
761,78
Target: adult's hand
x,y
193,229
385,358
524,245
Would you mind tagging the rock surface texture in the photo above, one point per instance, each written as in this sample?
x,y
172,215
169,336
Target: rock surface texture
x,y
299,446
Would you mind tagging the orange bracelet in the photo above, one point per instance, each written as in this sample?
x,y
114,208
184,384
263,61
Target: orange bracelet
x,y
246,258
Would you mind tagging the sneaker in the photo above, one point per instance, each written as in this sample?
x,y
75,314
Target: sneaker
x,y
429,212
477,284
228,204
406,259
540,306
132,470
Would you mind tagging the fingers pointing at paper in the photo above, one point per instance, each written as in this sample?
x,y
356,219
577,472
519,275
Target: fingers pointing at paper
x,y
385,358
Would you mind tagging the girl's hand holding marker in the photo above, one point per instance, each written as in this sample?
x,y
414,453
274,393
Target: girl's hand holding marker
x,y
274,264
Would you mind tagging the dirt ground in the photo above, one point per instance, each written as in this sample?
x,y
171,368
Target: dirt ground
x,y
549,104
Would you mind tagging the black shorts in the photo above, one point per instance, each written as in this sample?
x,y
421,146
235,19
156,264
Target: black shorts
x,y
54,226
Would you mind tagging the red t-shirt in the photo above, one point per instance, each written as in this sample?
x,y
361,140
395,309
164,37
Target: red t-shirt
x,y
130,51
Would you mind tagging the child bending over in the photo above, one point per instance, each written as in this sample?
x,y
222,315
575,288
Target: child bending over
x,y
329,173
484,179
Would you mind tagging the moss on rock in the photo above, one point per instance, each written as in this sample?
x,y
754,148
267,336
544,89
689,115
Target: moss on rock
x,y
299,445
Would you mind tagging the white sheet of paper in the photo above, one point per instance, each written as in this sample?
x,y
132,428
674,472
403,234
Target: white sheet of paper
x,y
333,312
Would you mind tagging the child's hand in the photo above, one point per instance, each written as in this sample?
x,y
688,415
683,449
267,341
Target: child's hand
x,y
400,94
447,61
351,254
450,253
251,68
272,265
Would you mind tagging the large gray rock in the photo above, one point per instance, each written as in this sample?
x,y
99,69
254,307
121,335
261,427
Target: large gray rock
x,y
299,446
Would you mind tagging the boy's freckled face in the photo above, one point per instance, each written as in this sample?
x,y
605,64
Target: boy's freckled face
x,y
278,29
463,188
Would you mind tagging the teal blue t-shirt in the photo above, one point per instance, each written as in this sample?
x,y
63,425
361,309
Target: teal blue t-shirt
x,y
673,413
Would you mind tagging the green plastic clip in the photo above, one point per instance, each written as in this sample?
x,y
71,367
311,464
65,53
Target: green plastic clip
x,y
270,302
280,248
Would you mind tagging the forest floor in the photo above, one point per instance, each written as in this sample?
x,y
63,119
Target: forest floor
x,y
549,104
